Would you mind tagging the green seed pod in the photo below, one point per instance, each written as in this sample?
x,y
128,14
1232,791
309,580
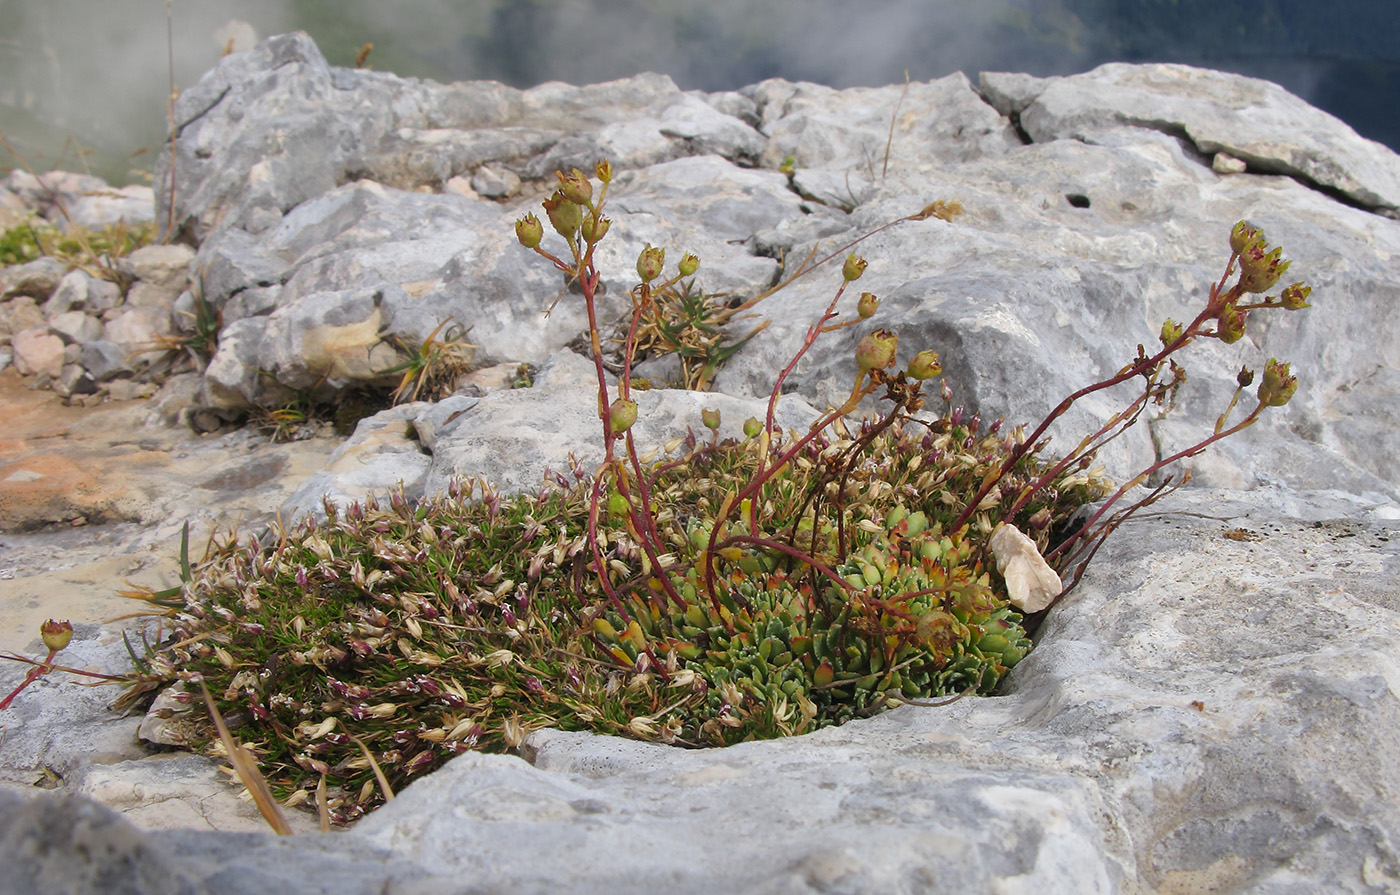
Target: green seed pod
x,y
925,365
529,231
1278,385
650,262
564,216
56,634
876,350
689,264
1171,332
622,414
575,186
867,306
1243,236
593,229
1295,297
1230,324
1259,271
853,268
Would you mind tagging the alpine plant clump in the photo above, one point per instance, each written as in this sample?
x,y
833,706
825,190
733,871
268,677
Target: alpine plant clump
x,y
707,593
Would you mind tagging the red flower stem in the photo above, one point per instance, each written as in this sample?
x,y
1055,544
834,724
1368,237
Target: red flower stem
x,y
34,674
1133,370
1142,476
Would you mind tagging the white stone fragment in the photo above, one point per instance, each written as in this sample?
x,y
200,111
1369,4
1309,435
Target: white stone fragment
x,y
1030,582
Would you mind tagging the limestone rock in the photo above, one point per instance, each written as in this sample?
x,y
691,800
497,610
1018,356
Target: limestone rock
x,y
140,332
1253,120
379,458
105,206
76,326
20,313
36,351
160,264
36,279
495,182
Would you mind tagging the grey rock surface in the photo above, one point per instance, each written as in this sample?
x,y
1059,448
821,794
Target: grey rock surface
x,y
1071,250
1256,121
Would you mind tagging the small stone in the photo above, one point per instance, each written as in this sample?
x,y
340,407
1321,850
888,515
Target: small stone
x,y
103,295
460,186
36,350
129,390
72,292
37,279
104,360
74,380
495,182
140,332
258,301
152,295
75,326
19,314
1223,163
161,265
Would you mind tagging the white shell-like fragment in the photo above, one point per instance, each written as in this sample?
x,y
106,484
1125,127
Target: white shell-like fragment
x,y
1030,582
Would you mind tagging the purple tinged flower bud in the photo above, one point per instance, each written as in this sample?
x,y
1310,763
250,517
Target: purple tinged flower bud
x,y
752,427
710,418
689,264
853,268
593,228
1259,271
1295,297
1244,377
56,634
925,365
650,262
529,231
622,414
876,350
1230,324
1171,331
575,187
868,305
1243,236
564,216
1278,384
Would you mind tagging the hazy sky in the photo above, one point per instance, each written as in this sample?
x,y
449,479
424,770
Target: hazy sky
x,y
98,70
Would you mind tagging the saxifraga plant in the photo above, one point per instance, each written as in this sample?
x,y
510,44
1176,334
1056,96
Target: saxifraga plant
x,y
720,591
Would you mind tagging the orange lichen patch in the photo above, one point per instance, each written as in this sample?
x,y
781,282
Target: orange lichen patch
x,y
43,489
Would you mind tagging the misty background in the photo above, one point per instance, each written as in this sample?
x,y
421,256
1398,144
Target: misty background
x,y
84,83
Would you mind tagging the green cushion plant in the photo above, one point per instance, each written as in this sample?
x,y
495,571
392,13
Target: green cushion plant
x,y
713,592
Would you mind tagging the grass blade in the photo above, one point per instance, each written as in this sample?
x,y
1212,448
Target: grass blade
x,y
247,770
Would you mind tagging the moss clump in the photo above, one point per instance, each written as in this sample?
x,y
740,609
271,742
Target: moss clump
x,y
466,621
78,248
